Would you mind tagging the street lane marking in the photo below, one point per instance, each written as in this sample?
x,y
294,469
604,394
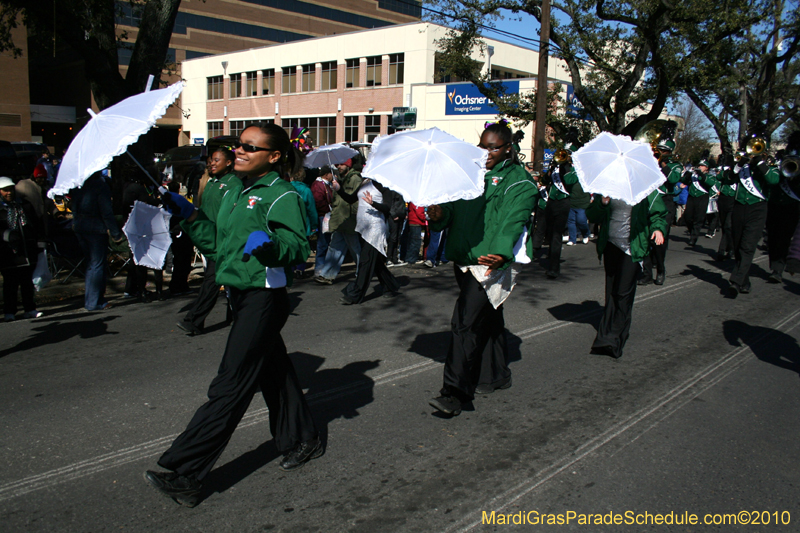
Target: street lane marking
x,y
696,385
148,449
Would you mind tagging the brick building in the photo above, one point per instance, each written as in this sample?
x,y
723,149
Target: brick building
x,y
344,87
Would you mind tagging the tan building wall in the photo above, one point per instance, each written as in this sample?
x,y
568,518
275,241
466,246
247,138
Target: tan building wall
x,y
15,108
416,41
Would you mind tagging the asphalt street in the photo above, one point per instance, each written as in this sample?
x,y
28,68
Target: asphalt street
x,y
699,417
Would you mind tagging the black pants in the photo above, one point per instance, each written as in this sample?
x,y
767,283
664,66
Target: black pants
x,y
478,331
370,263
255,358
182,254
136,282
206,298
540,231
658,253
725,206
615,326
556,214
781,222
747,225
18,278
695,214
393,237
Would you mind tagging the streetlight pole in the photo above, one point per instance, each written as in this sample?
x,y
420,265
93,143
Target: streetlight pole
x,y
541,88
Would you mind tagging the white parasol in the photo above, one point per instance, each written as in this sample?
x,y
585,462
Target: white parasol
x,y
428,166
329,154
109,133
618,167
147,230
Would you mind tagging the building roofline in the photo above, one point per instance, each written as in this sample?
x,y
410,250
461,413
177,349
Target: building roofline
x,y
366,30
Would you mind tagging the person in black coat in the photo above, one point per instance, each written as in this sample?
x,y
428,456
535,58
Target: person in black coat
x,y
18,250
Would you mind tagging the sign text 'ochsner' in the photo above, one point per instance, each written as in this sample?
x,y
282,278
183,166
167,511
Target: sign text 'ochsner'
x,y
466,99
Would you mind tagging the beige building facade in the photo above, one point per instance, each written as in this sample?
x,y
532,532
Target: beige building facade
x,y
345,87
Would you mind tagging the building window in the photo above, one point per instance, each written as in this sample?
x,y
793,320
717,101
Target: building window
x,y
236,85
396,69
322,130
268,81
309,77
350,129
373,127
215,88
214,128
353,73
329,75
238,126
289,80
251,84
374,65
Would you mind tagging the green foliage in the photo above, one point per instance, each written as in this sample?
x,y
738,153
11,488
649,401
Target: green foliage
x,y
625,57
751,78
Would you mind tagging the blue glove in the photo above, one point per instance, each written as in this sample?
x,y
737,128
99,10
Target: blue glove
x,y
177,204
257,242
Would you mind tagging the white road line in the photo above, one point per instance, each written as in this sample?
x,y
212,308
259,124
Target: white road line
x,y
151,448
680,395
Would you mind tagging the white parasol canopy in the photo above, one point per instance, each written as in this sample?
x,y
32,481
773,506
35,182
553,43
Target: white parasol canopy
x,y
618,167
147,230
329,154
109,133
428,166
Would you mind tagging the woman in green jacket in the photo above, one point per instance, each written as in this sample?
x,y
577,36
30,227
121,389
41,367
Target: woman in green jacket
x,y
624,241
481,243
258,234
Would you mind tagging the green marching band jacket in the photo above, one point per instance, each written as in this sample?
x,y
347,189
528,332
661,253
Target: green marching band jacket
x,y
647,216
492,223
215,190
699,183
754,181
673,172
563,178
725,177
270,204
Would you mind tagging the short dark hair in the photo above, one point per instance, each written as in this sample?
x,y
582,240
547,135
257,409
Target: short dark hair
x,y
279,140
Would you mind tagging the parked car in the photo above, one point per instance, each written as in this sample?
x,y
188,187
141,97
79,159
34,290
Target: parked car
x,y
28,153
10,165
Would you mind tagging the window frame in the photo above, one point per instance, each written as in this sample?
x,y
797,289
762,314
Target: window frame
x,y
290,74
330,70
396,69
236,81
352,73
251,83
376,70
309,78
268,81
214,85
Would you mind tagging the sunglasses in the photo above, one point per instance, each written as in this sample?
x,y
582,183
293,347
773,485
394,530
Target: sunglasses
x,y
495,149
250,148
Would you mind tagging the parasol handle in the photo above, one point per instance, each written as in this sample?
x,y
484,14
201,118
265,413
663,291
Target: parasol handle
x,y
143,169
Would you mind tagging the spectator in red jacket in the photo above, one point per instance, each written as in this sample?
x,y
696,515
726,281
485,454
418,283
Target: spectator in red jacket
x,y
412,236
322,189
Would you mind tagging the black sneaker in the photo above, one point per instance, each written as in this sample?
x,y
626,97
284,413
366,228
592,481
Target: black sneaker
x,y
447,404
184,490
190,329
346,301
489,388
301,454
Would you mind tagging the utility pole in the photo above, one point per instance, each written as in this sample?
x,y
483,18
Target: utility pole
x,y
541,88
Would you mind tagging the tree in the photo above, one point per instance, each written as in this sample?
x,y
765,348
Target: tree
x,y
623,56
695,137
755,78
90,28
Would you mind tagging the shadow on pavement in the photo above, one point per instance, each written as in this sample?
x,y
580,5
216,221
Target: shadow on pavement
x,y
587,312
58,331
769,345
332,393
719,279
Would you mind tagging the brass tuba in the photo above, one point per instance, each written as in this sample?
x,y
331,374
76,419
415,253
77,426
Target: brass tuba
x,y
790,167
651,134
561,156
